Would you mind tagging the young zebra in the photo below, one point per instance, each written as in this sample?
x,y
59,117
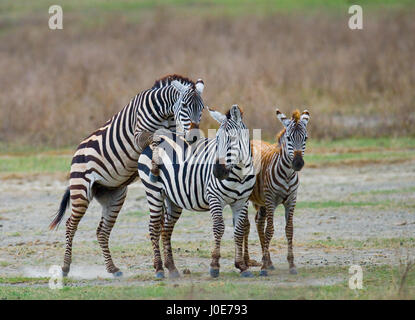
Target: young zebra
x,y
277,182
205,176
105,163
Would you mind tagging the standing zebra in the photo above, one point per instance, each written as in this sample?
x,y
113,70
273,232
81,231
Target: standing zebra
x,y
277,182
205,176
105,163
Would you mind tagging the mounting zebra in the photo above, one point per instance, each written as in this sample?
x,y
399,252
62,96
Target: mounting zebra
x,y
277,182
105,163
207,175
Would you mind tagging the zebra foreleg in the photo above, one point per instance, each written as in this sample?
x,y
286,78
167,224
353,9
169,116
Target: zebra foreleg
x,y
289,230
240,214
112,202
216,208
260,224
171,216
156,160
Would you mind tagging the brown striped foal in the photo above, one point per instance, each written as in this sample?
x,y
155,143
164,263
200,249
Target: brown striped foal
x,y
277,167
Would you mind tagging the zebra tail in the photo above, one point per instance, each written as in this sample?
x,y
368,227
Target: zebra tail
x,y
61,212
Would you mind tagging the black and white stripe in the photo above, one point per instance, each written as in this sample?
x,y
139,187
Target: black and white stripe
x,y
105,163
277,182
206,175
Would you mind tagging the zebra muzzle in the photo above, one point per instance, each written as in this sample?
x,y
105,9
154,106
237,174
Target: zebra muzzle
x,y
193,134
220,171
298,161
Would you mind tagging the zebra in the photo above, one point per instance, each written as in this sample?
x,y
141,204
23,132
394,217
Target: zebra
x,y
105,163
277,182
208,175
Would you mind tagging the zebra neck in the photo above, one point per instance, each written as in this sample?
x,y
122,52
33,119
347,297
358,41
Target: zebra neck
x,y
244,169
150,108
283,167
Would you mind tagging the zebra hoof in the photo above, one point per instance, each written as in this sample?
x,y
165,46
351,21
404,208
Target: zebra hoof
x,y
153,178
160,275
247,274
293,270
65,272
263,273
117,274
214,273
174,274
271,267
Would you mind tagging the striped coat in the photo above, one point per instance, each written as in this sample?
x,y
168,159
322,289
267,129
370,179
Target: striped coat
x,y
105,163
205,176
277,183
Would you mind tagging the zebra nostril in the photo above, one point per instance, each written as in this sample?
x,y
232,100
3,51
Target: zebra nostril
x,y
220,171
193,135
298,163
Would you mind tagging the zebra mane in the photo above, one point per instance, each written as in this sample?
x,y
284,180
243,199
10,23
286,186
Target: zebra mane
x,y
228,113
295,117
167,80
278,137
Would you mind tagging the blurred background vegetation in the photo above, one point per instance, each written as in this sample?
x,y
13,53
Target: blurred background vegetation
x,y
57,86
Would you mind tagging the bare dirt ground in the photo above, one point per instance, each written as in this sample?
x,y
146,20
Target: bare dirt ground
x,y
350,215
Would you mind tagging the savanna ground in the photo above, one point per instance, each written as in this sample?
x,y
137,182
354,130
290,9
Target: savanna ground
x,y
357,194
352,210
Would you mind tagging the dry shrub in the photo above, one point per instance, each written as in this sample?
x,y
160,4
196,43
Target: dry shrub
x,y
58,86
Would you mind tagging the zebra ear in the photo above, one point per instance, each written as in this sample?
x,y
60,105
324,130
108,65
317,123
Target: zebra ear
x,y
219,117
236,113
179,86
282,117
200,85
305,116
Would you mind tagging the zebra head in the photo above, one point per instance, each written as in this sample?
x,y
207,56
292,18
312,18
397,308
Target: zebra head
x,y
293,140
232,142
188,108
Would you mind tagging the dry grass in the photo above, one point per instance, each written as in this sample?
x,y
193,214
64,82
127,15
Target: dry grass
x,y
58,86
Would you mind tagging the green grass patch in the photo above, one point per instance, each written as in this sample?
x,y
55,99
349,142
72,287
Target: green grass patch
x,y
356,157
16,280
372,243
361,143
35,164
22,159
386,192
333,204
379,282
226,6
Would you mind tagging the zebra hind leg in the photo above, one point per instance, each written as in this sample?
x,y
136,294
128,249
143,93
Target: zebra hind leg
x,y
171,216
111,202
264,236
155,228
245,242
249,262
79,205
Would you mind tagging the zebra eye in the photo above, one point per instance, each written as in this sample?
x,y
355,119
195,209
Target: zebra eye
x,y
305,138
